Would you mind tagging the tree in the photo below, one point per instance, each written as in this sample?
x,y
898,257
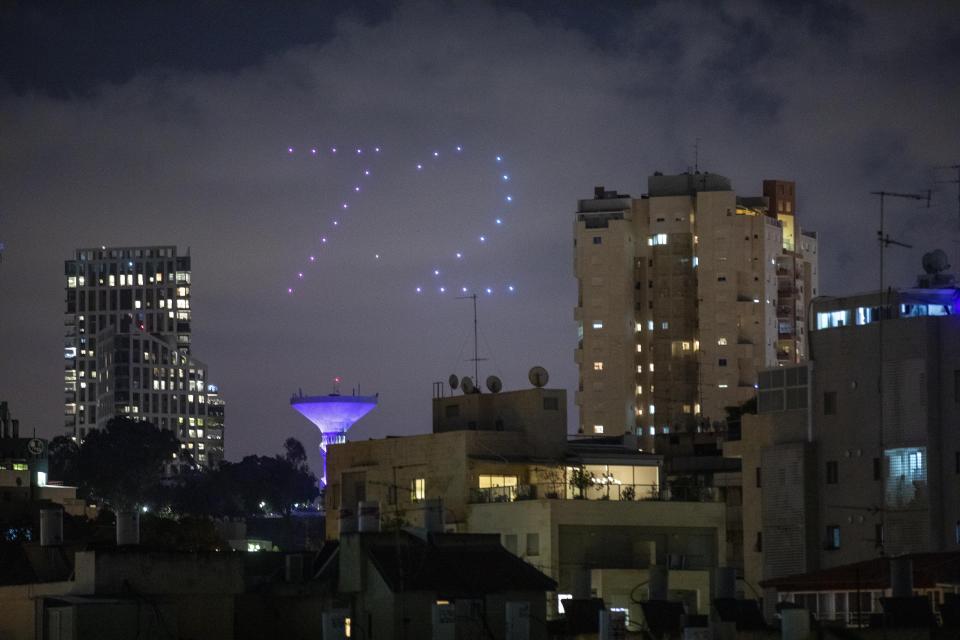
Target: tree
x,y
294,453
63,459
122,464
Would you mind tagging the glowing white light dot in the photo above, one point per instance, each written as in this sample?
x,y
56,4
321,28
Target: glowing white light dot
x,y
336,223
419,166
436,272
463,289
366,172
357,188
436,154
289,290
345,205
313,258
510,288
359,151
489,290
483,238
313,151
419,290
499,221
300,275
443,289
289,149
333,149
377,256
459,255
459,148
505,177
509,198
376,149
323,240
499,158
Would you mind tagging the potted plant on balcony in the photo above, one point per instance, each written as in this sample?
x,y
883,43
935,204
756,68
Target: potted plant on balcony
x,y
580,480
628,493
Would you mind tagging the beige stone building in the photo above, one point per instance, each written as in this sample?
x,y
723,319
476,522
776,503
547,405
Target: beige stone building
x,y
591,513
683,295
836,472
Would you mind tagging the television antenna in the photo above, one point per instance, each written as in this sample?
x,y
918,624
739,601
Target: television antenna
x,y
476,359
886,241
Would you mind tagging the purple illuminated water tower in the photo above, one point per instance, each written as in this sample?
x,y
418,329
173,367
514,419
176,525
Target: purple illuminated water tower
x,y
333,415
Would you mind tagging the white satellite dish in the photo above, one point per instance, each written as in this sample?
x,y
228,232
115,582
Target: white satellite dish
x,y
494,384
467,385
538,377
454,381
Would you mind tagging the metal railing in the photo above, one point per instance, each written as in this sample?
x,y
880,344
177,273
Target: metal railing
x,y
595,491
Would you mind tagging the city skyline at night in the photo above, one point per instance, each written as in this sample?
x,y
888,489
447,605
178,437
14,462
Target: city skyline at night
x,y
133,128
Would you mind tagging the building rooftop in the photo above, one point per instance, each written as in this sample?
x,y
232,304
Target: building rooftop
x,y
929,570
453,564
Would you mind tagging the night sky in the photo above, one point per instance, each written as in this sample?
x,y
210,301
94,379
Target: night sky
x,y
171,122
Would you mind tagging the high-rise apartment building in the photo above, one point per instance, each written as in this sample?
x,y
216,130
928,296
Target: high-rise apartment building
x,y
128,348
684,294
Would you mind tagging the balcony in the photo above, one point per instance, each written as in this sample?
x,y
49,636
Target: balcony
x,y
595,491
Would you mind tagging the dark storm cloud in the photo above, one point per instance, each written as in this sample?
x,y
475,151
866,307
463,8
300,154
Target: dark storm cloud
x,y
188,147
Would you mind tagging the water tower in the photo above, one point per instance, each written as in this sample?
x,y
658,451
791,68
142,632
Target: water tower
x,y
333,414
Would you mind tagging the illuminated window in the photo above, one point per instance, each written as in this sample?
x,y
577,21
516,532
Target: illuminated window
x,y
639,390
651,367
20,466
598,366
598,428
664,325
722,386
560,598
489,481
639,348
657,239
650,325
722,342
418,489
347,628
652,409
597,324
696,261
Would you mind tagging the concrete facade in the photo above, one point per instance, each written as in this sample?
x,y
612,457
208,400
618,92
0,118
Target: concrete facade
x,y
857,452
683,295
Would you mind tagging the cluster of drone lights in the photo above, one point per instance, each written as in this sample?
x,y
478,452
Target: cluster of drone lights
x,y
361,184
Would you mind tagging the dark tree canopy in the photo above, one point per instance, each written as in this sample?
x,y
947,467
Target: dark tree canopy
x,y
64,457
122,464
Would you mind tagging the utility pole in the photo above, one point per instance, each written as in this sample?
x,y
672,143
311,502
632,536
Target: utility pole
x,y
955,167
885,241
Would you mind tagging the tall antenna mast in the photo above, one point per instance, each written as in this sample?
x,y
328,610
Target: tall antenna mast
x,y
476,347
696,155
885,241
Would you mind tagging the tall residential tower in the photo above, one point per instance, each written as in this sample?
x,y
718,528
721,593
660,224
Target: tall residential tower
x,y
127,348
683,295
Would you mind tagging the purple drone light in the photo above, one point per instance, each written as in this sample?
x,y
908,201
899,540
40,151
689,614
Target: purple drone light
x,y
333,415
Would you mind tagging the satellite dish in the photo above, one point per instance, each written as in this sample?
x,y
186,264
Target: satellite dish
x,y
494,384
538,377
454,381
935,261
467,385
